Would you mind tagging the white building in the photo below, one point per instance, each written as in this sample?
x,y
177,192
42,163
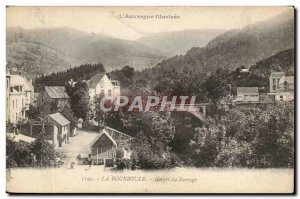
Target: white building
x,y
19,95
101,84
274,81
62,129
282,86
247,94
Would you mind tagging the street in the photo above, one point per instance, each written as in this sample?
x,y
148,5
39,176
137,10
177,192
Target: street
x,y
79,144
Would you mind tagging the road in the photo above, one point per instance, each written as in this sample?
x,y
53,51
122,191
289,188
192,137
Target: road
x,y
79,144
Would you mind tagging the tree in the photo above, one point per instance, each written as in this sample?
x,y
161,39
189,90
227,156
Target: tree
x,y
33,112
18,154
125,76
61,78
68,113
79,100
216,86
43,150
205,143
151,144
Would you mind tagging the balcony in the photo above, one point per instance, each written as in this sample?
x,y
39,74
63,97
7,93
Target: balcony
x,y
116,83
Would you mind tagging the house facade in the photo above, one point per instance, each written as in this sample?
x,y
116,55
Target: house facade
x,y
61,128
101,84
282,86
19,94
104,146
103,149
274,81
247,94
53,94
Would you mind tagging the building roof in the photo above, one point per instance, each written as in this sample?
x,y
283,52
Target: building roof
x,y
104,133
96,79
248,90
59,118
277,74
18,80
57,92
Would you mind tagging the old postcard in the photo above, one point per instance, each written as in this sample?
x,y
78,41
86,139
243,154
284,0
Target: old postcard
x,y
150,100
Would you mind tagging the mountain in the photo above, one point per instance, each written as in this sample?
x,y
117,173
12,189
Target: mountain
x,y
282,61
80,47
234,48
178,42
34,58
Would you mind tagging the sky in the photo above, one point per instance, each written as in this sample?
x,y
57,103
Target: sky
x,y
117,21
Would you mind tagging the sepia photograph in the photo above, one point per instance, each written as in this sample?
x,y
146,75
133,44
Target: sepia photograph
x,y
150,100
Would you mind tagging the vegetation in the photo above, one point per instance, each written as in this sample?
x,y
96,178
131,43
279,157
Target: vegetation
x,y
82,72
282,61
261,137
125,76
79,99
21,154
256,137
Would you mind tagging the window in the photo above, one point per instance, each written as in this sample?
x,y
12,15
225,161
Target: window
x,y
109,92
16,103
102,84
286,85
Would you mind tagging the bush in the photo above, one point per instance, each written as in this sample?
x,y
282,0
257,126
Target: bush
x,y
18,154
89,126
261,137
44,151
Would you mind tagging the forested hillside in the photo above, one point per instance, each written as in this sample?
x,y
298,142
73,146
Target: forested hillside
x,y
282,61
83,72
232,49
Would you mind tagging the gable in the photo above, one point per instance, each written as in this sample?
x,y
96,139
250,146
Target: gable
x,y
95,80
103,136
59,118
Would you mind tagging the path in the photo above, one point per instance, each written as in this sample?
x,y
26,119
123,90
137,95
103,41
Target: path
x,y
79,144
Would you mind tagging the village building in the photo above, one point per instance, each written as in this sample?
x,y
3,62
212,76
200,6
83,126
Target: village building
x,y
19,94
61,128
244,70
101,84
105,145
274,81
53,94
33,130
282,86
247,94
